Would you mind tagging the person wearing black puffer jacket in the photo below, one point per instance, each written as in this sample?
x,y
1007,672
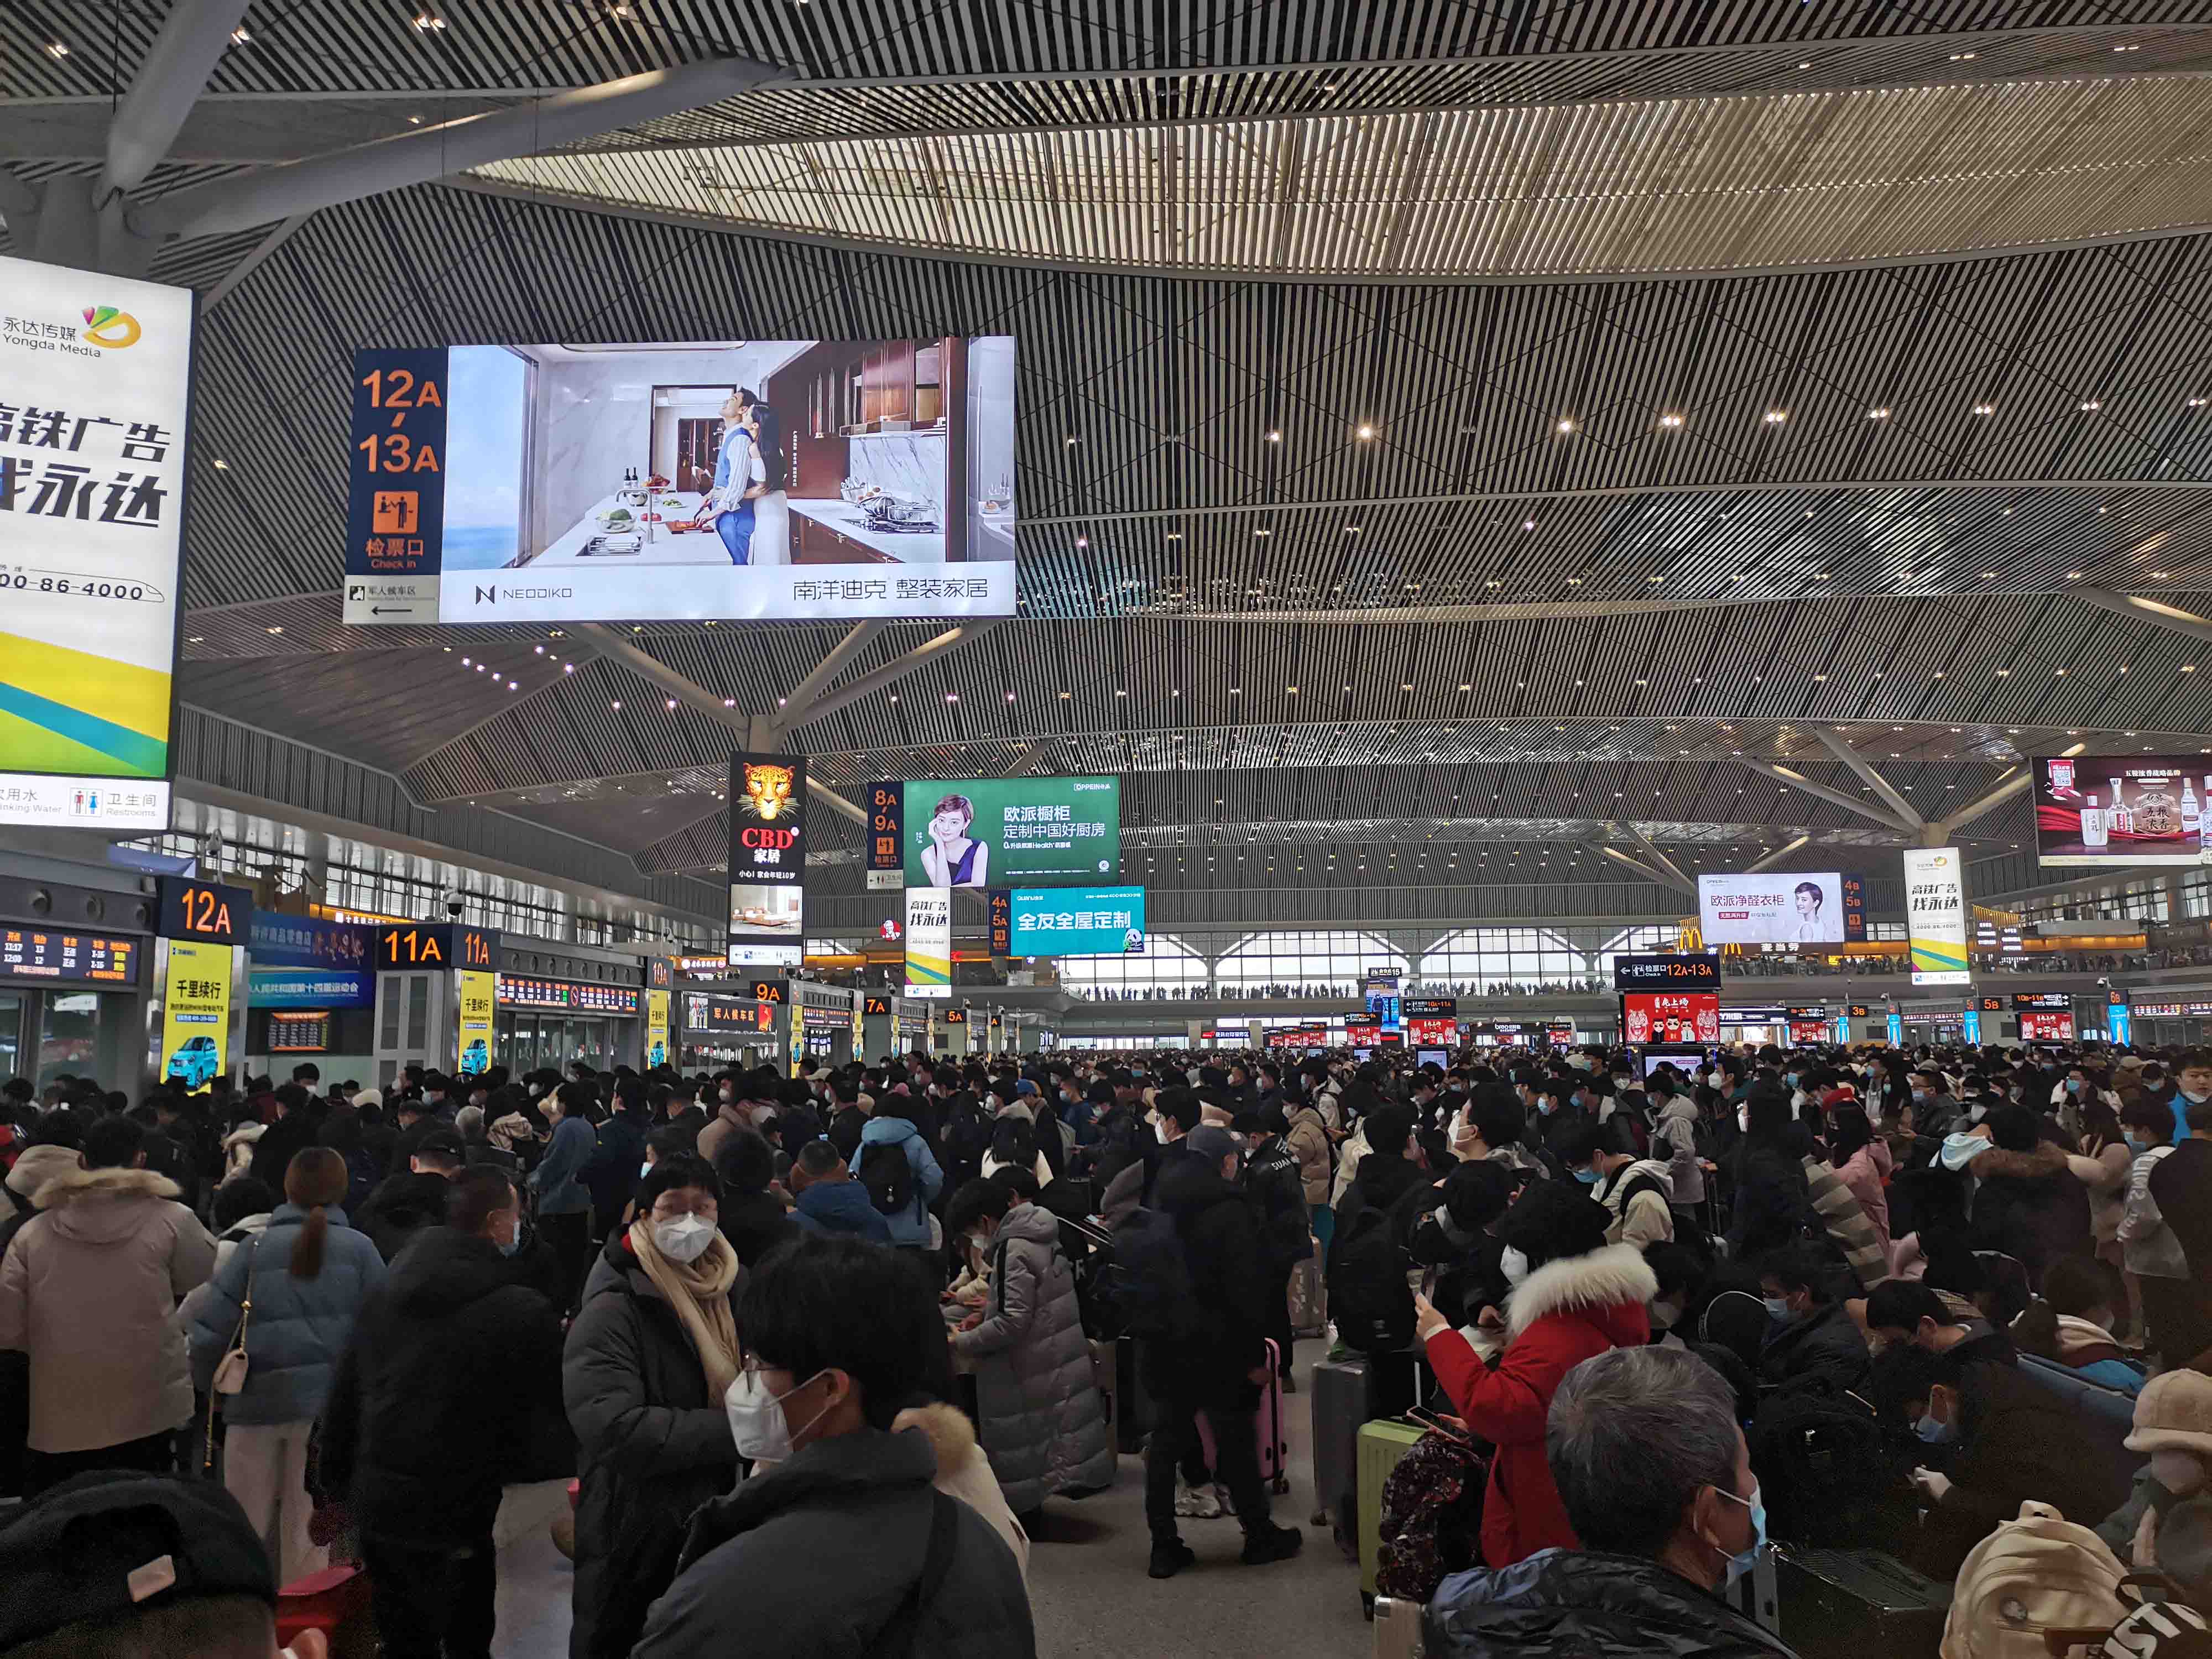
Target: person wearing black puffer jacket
x,y
1220,1367
1772,1200
1273,1180
648,1360
449,1389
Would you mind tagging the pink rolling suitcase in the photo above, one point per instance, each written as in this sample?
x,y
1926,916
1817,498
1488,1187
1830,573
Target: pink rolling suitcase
x,y
1274,1449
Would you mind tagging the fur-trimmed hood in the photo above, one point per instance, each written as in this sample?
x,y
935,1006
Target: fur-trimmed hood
x,y
104,1206
949,1431
1615,1277
37,1166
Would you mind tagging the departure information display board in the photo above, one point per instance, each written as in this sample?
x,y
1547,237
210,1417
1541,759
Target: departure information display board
x,y
54,953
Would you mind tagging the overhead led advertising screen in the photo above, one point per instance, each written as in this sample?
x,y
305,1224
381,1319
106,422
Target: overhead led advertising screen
x,y
767,860
1769,908
95,373
1073,921
2096,811
1936,916
1006,832
737,478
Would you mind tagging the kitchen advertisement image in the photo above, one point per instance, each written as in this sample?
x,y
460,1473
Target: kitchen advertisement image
x,y
1936,916
95,371
195,1013
759,479
1828,908
929,941
2097,811
1008,832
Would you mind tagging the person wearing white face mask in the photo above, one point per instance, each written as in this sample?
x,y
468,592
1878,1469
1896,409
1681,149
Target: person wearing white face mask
x,y
859,1539
653,1351
1654,1475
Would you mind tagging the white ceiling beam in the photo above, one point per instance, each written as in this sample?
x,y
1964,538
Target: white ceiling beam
x,y
1678,883
810,689
1768,860
1907,814
1659,858
431,153
169,82
1798,781
2173,620
791,719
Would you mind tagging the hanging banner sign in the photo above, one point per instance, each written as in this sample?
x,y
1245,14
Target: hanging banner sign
x,y
195,1013
96,376
479,993
1936,916
929,941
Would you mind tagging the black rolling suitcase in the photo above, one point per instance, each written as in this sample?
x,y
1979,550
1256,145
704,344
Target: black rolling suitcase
x,y
1846,1604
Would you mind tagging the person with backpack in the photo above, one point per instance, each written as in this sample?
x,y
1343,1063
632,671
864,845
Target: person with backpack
x,y
829,1199
1200,1284
1574,1295
902,1179
1637,1193
839,1543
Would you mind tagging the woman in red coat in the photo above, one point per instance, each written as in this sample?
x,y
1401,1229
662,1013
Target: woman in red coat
x,y
1574,1297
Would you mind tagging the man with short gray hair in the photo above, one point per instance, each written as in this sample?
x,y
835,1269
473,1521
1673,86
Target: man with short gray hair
x,y
1651,1466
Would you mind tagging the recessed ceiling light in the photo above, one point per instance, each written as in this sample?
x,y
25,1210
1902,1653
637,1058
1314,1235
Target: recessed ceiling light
x,y
1566,428
2072,575
221,466
426,20
55,49
239,37
1986,409
1365,431
2091,407
1670,421
278,628
1775,417
1877,414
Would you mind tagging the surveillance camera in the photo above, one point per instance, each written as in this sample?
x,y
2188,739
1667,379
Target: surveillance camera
x,y
456,902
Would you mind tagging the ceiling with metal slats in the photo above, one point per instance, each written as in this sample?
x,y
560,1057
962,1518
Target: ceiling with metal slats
x,y
1460,449
1691,183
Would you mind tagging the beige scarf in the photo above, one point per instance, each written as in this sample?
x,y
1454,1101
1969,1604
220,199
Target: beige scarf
x,y
699,1291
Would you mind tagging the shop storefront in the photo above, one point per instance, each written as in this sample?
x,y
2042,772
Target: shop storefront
x,y
714,1030
552,1022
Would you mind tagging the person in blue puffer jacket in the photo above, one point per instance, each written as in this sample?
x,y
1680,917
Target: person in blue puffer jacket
x,y
309,1273
564,1203
909,1222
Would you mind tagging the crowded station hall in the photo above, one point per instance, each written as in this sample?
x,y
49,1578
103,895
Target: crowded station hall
x,y
1256,830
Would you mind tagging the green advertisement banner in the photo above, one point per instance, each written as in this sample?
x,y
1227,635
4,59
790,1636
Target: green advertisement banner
x,y
1012,832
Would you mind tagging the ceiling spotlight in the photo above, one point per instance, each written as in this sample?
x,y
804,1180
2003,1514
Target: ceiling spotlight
x,y
1566,427
1775,417
2072,575
1670,420
239,37
55,49
426,20
2091,407
1877,414
1365,431
1986,409
1528,523
1083,541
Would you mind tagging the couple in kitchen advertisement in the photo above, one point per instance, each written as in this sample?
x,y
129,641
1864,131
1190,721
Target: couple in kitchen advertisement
x,y
747,508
